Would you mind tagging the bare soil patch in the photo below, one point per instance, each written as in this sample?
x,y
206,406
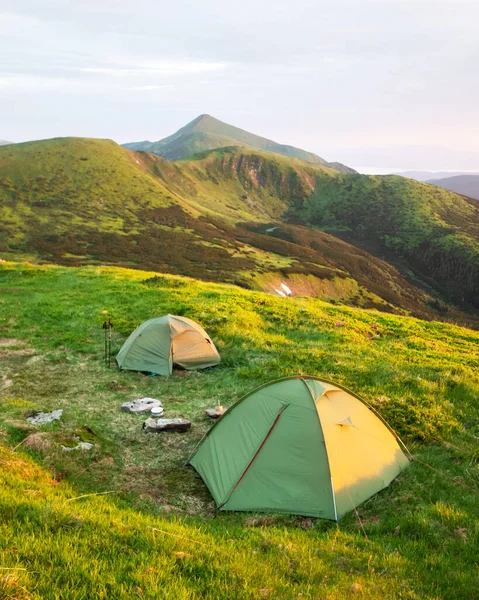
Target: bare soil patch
x,y
10,342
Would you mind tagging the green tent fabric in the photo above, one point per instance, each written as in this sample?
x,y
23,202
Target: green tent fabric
x,y
298,445
156,345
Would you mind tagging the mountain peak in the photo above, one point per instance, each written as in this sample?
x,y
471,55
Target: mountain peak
x,y
203,117
201,122
208,133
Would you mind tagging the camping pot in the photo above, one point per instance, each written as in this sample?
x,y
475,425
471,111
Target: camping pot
x,y
157,411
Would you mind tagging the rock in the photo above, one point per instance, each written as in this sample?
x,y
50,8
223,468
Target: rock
x,y
157,425
214,413
42,418
84,446
79,446
143,405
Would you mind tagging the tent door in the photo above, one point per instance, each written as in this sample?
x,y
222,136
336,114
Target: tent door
x,y
190,349
278,416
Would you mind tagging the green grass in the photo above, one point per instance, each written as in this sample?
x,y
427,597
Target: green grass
x,y
423,531
77,201
98,185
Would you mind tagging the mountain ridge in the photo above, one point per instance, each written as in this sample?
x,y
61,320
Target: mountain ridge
x,y
426,176
208,133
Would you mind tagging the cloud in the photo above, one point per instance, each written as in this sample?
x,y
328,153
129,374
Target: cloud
x,y
13,84
156,68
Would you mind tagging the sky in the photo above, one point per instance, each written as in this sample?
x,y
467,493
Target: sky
x,y
379,85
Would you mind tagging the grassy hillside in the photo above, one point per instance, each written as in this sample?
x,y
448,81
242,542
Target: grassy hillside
x,y
467,185
74,182
154,537
78,201
207,133
187,145
431,231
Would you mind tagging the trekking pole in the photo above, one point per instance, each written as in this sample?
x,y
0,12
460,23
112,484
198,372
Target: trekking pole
x,y
110,327
105,327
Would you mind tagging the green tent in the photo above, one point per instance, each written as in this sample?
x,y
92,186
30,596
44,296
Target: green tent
x,y
156,345
299,445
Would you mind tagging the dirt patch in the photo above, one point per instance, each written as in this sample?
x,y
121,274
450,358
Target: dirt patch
x,y
144,482
37,441
6,383
183,373
118,387
13,348
33,360
260,521
4,342
4,354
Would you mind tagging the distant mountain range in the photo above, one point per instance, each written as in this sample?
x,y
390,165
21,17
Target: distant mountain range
x,y
467,185
244,216
4,143
427,176
207,133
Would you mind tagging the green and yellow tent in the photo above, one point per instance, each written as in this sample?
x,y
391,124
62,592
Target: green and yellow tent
x,y
159,343
299,445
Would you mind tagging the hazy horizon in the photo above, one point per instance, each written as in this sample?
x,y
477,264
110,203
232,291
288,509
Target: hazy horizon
x,y
380,83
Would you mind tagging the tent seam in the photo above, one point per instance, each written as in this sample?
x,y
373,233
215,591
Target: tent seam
x,y
325,445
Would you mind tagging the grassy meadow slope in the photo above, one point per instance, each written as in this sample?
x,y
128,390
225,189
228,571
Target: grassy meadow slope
x,y
432,232
73,182
218,217
154,537
207,133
